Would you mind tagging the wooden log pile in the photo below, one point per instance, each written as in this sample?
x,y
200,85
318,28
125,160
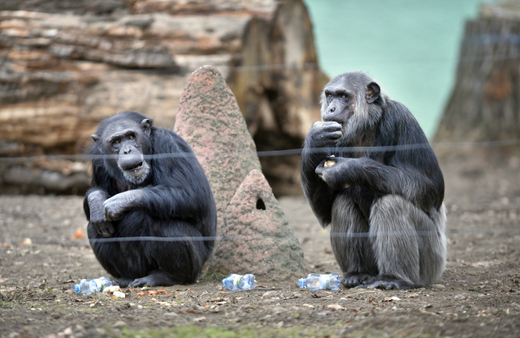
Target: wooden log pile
x,y
66,65
485,102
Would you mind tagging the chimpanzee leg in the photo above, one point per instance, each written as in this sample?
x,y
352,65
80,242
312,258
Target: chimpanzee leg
x,y
408,243
350,242
123,258
176,260
179,261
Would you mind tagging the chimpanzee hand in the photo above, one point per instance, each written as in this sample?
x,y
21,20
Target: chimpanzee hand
x,y
97,213
334,171
116,206
323,134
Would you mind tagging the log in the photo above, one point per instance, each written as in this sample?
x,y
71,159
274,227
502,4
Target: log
x,y
66,65
484,103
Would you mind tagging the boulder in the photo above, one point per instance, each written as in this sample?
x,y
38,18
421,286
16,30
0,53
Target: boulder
x,y
253,233
66,65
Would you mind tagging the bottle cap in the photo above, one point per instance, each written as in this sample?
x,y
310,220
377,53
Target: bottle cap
x,y
76,288
301,282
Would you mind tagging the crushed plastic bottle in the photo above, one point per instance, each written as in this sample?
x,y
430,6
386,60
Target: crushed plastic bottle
x,y
238,282
90,286
315,282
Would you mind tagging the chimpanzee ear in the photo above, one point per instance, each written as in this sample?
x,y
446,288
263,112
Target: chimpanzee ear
x,y
95,137
146,125
373,92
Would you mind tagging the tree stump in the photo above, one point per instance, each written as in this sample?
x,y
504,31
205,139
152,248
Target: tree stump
x,y
65,65
484,104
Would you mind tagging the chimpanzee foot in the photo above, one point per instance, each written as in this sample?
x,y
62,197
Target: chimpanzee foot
x,y
353,279
386,283
122,282
156,278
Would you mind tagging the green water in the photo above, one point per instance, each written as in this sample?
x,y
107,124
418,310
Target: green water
x,y
410,47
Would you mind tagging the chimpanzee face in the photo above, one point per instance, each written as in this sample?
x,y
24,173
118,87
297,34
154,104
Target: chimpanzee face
x,y
125,139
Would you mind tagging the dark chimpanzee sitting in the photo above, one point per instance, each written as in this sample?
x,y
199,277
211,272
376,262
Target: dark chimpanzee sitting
x,y
368,171
134,195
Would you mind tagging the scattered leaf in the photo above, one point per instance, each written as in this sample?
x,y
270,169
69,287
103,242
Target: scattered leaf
x,y
111,289
119,294
26,241
195,312
140,293
78,234
390,299
430,313
199,319
269,294
335,307
162,291
79,300
152,293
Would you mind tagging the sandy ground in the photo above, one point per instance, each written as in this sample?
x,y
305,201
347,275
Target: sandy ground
x,y
478,295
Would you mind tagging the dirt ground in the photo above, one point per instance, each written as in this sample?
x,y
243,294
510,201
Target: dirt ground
x,y
478,295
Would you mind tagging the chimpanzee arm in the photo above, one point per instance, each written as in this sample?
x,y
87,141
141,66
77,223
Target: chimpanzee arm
x,y
320,196
180,188
161,201
95,211
420,181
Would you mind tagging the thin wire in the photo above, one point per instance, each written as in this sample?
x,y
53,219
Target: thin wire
x,y
300,235
277,153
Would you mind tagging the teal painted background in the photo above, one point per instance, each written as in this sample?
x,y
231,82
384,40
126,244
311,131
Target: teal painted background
x,y
410,47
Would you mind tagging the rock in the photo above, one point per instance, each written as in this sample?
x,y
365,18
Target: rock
x,y
260,240
66,65
437,286
459,297
119,324
208,119
255,235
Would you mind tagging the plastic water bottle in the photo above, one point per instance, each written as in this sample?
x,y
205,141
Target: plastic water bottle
x,y
315,282
238,282
90,286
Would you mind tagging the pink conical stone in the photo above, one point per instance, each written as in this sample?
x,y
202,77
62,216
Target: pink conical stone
x,y
253,240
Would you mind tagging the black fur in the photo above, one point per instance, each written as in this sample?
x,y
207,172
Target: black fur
x,y
385,206
169,197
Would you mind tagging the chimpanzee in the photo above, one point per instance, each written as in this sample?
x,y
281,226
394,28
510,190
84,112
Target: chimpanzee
x,y
149,184
369,171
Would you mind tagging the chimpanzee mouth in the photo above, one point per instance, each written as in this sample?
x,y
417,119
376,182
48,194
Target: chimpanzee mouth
x,y
138,173
136,167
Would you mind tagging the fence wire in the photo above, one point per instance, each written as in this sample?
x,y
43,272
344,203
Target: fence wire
x,y
279,153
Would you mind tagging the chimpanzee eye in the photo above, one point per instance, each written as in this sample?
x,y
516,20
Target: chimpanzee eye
x,y
116,142
343,96
131,137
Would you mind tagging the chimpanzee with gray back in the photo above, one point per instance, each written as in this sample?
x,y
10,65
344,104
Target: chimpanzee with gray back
x,y
368,171
137,194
